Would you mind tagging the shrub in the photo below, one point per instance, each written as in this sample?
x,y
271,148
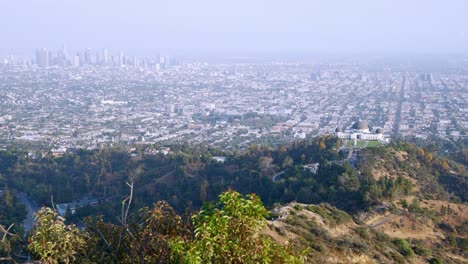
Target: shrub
x,y
446,227
422,251
403,247
330,214
229,232
435,261
320,232
52,241
298,207
452,240
362,232
319,247
398,258
280,230
464,244
357,244
382,237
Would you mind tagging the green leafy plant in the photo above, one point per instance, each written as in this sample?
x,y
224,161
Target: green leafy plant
x,y
52,241
229,232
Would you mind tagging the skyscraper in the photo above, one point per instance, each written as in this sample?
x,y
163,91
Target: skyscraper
x,y
170,109
81,58
42,58
87,56
121,59
104,56
98,58
76,60
63,52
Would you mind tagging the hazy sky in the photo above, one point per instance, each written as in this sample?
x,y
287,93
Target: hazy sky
x,y
237,26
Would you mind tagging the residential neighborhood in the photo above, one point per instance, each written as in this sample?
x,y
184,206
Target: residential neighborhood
x,y
222,104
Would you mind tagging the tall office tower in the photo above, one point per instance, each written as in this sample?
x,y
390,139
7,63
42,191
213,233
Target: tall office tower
x,y
81,56
62,58
425,77
167,62
314,76
162,59
121,59
135,62
435,77
87,56
98,58
38,57
174,62
50,55
63,52
104,56
42,58
170,109
76,60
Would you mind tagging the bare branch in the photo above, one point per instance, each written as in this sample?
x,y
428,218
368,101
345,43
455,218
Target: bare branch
x,y
6,231
9,259
122,216
103,238
52,202
130,200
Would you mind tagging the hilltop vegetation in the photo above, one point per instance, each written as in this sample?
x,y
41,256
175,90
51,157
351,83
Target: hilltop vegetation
x,y
224,232
185,175
398,203
413,215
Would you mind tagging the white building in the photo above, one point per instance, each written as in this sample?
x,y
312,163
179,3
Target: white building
x,y
219,159
360,131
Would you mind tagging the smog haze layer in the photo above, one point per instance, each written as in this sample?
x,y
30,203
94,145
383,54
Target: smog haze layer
x,y
237,27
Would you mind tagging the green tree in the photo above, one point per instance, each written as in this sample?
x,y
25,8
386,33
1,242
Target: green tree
x,y
288,161
52,241
12,211
159,226
229,232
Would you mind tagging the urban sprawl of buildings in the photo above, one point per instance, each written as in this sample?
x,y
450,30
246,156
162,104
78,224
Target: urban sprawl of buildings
x,y
90,100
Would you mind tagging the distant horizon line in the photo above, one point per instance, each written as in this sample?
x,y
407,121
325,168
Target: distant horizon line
x,y
242,54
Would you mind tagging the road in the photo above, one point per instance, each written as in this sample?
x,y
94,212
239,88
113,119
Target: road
x,y
351,153
385,219
275,177
31,208
382,221
396,123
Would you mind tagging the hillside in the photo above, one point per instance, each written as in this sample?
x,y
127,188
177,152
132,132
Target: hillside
x,y
395,203
425,225
334,236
